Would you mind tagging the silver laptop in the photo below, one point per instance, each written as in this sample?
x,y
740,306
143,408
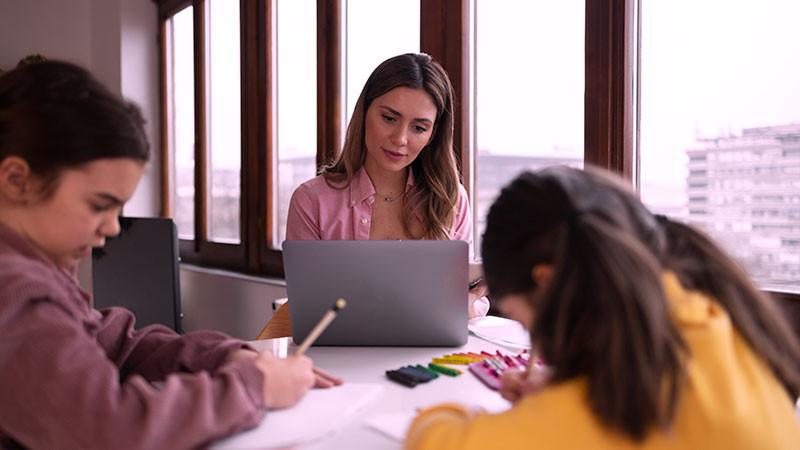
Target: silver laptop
x,y
399,293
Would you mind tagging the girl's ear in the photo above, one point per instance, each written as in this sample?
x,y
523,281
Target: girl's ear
x,y
542,273
15,178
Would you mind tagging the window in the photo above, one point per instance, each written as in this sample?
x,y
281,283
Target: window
x,y
527,117
304,62
180,118
711,112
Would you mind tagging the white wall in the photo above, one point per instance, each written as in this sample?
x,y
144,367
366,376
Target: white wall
x,y
117,40
95,35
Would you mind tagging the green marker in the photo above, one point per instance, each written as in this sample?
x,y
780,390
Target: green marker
x,y
444,370
426,370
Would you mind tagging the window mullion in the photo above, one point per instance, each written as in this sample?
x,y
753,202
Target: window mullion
x,y
200,137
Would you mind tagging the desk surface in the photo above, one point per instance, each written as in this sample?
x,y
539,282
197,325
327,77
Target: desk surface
x,y
368,365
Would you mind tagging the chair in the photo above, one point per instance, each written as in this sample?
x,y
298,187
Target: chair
x,y
279,325
138,270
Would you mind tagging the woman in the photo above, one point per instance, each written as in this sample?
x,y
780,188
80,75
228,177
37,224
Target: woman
x,y
396,177
71,155
654,338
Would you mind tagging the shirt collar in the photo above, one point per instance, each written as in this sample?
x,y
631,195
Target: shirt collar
x,y
361,187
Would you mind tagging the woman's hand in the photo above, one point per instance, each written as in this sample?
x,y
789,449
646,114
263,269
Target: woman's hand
x,y
516,383
478,304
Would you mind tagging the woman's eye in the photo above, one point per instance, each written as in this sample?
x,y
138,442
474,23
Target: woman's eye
x,y
389,118
420,129
99,208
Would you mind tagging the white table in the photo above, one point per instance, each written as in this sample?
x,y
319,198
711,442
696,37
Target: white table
x,y
369,364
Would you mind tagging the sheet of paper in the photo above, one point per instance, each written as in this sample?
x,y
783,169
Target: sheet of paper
x,y
395,425
501,331
321,412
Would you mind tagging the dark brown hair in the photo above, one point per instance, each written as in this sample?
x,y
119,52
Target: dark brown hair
x,y
435,195
604,314
56,115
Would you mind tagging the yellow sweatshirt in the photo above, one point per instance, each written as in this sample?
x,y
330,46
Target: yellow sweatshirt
x,y
730,400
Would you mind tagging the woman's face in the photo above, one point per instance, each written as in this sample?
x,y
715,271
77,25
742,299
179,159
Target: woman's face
x,y
397,126
82,210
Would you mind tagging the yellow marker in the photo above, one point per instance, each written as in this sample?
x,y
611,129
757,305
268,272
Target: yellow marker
x,y
449,359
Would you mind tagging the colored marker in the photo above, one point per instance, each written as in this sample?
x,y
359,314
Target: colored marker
x,y
444,370
416,374
421,367
401,378
454,360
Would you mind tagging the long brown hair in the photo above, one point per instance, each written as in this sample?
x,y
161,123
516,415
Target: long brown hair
x,y
435,194
604,314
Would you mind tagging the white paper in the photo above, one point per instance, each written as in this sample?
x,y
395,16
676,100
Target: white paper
x,y
501,331
321,412
395,425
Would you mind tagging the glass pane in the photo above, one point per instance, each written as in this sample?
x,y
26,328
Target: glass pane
x,y
297,102
181,118
224,120
529,103
720,127
375,32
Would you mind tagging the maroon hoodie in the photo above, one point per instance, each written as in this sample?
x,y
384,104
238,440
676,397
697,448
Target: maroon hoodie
x,y
73,377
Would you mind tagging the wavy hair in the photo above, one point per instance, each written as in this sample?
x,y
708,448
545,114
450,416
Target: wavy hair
x,y
604,314
435,194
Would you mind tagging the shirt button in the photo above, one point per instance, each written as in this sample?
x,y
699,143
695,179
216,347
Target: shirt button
x,y
364,220
353,203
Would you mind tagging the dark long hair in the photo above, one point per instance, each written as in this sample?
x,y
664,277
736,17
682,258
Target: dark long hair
x,y
56,115
436,192
604,314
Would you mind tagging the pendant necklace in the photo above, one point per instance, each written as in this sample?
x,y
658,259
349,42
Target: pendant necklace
x,y
387,198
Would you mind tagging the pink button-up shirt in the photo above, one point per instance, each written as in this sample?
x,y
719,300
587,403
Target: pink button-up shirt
x,y
318,211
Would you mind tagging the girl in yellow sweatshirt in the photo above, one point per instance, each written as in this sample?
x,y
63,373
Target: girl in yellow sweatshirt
x,y
653,336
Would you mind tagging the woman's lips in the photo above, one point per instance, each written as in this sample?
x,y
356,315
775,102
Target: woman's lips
x,y
83,252
393,155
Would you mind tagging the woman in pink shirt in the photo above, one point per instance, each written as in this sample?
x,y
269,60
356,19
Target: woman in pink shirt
x,y
396,177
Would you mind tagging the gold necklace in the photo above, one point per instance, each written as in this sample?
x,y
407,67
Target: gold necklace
x,y
387,198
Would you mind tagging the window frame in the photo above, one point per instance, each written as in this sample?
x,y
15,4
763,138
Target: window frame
x,y
611,107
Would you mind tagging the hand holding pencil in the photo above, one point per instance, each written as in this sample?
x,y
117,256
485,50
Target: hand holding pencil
x,y
287,380
516,383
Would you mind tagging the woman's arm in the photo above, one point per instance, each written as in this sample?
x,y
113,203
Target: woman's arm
x,y
303,221
462,230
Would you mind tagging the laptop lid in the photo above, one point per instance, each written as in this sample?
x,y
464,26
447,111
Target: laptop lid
x,y
139,270
400,293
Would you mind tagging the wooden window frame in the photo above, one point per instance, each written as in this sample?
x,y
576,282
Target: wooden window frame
x,y
610,113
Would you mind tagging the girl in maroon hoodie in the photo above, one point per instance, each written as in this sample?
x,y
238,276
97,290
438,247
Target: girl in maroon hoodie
x,y
71,155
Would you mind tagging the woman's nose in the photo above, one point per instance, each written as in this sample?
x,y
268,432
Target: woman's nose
x,y
399,136
110,226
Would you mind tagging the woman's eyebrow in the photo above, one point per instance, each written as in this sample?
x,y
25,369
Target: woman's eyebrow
x,y
397,113
110,198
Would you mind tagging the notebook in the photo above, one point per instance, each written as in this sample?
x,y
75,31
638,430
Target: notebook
x,y
398,293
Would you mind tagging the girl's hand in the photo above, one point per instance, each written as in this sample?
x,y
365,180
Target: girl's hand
x,y
286,381
325,380
516,383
